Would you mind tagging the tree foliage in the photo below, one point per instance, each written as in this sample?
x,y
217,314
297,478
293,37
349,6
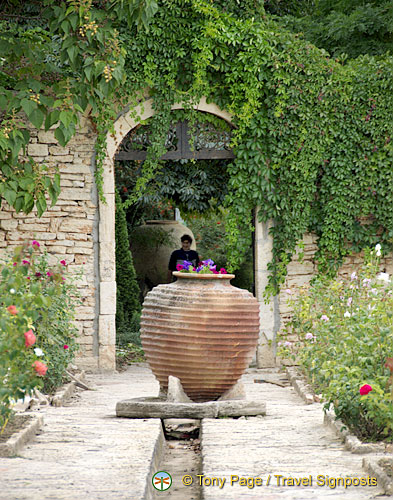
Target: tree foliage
x,y
340,26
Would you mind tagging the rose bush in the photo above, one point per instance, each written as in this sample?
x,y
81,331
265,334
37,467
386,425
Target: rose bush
x,y
344,331
36,310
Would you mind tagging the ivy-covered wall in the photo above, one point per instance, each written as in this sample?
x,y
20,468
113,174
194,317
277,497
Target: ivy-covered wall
x,y
313,133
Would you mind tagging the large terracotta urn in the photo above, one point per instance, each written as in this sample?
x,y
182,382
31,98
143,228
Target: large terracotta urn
x,y
202,330
151,247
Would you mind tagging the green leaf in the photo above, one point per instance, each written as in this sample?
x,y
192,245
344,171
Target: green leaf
x,y
51,119
26,182
10,196
36,117
60,136
89,72
72,53
41,204
66,118
28,106
19,203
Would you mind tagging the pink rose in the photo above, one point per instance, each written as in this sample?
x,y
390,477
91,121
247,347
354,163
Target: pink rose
x,y
26,262
65,346
35,244
49,273
40,368
63,262
29,338
12,310
365,389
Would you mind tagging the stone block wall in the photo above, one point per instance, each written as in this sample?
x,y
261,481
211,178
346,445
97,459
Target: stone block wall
x,y
69,229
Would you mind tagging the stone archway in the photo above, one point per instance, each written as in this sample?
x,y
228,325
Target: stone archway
x,y
106,247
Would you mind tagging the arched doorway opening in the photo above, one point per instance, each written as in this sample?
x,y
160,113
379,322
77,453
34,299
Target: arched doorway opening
x,y
106,245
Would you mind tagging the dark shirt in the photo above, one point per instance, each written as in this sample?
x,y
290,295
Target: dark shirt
x,y
178,256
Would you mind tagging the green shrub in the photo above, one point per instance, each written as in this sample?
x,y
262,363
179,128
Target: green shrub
x,y
35,321
127,286
345,332
129,334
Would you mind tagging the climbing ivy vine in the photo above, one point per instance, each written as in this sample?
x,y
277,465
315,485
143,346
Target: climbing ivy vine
x,y
312,133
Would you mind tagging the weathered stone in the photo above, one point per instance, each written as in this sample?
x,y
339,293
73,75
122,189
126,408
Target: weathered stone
x,y
235,392
37,149
175,393
58,150
107,357
106,226
78,168
32,227
81,250
106,329
47,137
108,297
75,225
74,194
157,408
8,224
107,261
185,428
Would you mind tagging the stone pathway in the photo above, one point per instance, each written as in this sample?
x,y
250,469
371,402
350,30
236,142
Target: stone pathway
x,y
86,453
290,442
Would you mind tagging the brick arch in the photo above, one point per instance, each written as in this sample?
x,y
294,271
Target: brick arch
x,y
106,242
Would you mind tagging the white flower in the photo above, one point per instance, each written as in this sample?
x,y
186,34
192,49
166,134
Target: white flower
x,y
378,250
309,336
38,351
353,276
347,314
383,277
331,308
12,290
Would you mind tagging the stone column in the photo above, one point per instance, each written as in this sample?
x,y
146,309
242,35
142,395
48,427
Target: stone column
x,y
107,267
269,311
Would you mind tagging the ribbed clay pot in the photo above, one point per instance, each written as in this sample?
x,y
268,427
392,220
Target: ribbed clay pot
x,y
202,330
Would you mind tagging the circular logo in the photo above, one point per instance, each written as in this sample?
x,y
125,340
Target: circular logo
x,y
162,480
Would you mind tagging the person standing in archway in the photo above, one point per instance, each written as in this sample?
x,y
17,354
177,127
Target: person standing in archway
x,y
184,253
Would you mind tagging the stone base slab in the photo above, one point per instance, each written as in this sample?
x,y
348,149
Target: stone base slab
x,y
156,407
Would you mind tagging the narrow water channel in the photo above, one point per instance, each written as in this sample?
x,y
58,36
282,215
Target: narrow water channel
x,y
181,456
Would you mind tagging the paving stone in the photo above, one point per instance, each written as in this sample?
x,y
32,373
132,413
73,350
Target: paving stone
x,y
290,441
84,451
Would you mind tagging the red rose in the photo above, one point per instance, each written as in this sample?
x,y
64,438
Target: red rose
x,y
365,389
65,346
29,338
40,368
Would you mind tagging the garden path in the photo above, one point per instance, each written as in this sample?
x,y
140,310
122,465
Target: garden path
x,y
290,441
86,453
